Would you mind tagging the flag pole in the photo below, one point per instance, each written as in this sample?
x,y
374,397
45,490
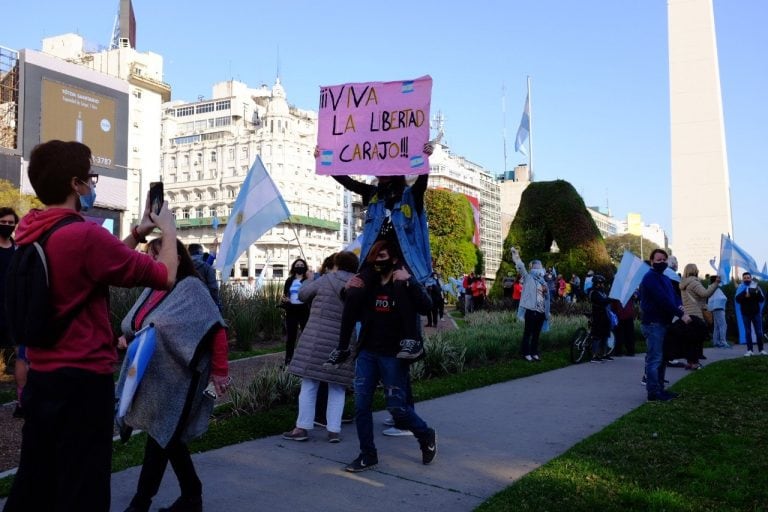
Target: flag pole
x,y
530,131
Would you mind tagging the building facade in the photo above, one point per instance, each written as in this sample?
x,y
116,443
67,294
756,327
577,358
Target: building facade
x,y
208,147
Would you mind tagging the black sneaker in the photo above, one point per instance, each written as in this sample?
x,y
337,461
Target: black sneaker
x,y
18,412
428,447
336,358
410,349
362,463
184,504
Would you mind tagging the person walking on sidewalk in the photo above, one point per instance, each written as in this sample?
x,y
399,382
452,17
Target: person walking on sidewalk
x,y
659,304
749,298
534,305
377,357
296,311
317,340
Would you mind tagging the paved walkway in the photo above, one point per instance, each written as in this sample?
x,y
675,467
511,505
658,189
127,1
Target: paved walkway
x,y
487,439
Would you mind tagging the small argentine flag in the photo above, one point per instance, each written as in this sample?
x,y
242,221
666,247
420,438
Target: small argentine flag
x,y
407,87
139,354
417,161
326,157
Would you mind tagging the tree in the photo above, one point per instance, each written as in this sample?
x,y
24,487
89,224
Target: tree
x,y
451,226
552,211
11,196
616,245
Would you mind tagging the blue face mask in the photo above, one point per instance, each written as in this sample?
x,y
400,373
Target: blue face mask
x,y
87,201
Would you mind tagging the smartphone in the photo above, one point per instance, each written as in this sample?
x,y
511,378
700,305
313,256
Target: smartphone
x,y
210,391
156,196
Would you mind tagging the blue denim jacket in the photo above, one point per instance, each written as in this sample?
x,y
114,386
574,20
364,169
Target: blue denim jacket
x,y
411,229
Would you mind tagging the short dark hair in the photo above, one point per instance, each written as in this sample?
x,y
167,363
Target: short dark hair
x,y
7,210
656,251
347,261
195,249
53,164
327,264
746,274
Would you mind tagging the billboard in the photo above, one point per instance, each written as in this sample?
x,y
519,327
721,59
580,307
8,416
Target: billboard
x,y
73,113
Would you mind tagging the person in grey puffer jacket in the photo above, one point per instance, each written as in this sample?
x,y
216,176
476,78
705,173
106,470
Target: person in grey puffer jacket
x,y
319,338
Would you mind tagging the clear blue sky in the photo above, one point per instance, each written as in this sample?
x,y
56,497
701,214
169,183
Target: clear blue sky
x,y
599,67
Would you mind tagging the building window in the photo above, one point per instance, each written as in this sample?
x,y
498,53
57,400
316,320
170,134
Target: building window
x,y
205,107
185,111
185,213
223,105
244,153
230,154
213,156
200,213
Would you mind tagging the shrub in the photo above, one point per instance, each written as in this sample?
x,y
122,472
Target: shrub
x,y
269,386
252,317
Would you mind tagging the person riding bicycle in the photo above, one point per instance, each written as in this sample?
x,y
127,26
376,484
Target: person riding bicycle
x,y
601,325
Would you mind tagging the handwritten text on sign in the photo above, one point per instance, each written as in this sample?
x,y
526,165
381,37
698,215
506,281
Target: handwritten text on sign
x,y
376,128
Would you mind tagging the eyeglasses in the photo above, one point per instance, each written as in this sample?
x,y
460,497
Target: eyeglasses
x,y
94,178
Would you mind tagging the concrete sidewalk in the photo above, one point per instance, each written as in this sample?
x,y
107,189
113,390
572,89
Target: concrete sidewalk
x,y
487,438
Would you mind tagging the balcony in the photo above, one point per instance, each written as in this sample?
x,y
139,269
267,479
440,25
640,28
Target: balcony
x,y
300,220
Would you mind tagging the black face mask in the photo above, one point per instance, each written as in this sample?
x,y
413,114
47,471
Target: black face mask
x,y
300,271
383,266
660,267
6,231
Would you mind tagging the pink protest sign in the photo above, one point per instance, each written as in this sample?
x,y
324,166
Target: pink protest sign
x,y
376,128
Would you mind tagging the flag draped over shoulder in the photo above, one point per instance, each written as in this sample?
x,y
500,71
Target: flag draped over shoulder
x,y
139,354
628,277
258,208
523,132
731,255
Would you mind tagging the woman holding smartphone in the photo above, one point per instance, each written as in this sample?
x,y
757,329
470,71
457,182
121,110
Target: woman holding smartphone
x,y
174,402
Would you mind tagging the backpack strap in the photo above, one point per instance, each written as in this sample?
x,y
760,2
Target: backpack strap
x,y
38,244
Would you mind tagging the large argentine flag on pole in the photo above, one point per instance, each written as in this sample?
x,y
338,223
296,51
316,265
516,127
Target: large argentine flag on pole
x,y
731,255
523,132
258,208
628,277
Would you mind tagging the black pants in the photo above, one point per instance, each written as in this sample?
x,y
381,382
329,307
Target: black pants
x,y
625,337
156,460
534,321
296,316
66,447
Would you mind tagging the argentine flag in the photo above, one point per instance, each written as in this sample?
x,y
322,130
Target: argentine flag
x,y
628,277
731,255
139,354
524,131
258,208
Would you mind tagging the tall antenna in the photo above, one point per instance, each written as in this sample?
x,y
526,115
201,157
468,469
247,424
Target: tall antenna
x,y
278,61
504,124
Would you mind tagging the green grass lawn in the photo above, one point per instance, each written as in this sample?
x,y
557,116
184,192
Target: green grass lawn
x,y
707,450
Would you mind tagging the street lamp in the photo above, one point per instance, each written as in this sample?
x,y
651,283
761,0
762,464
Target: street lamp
x,y
139,212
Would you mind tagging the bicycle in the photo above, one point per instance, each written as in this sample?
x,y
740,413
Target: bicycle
x,y
582,343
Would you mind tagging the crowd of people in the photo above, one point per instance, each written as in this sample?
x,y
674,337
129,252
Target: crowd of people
x,y
356,324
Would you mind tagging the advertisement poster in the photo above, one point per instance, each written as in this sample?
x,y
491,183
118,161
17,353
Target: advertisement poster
x,y
71,113
374,128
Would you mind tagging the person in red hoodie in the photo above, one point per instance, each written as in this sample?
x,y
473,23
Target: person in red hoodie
x,y
69,399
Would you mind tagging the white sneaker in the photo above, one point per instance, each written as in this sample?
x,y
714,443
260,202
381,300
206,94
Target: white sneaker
x,y
389,422
763,353
748,353
396,432
528,358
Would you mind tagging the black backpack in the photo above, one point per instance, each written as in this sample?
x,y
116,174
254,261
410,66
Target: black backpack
x,y
28,309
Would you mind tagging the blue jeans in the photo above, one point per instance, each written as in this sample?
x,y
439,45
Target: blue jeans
x,y
654,357
718,334
393,373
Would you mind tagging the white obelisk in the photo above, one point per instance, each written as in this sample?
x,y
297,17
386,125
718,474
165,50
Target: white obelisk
x,y
701,198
